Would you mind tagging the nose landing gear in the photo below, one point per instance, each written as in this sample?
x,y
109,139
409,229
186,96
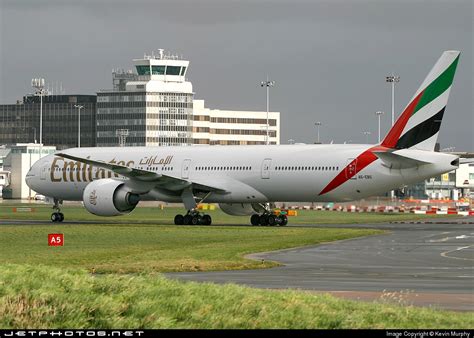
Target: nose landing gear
x,y
57,215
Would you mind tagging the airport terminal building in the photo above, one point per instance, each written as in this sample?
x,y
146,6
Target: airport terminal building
x,y
227,127
154,106
20,122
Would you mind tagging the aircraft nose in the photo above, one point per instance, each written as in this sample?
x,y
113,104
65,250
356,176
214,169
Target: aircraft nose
x,y
29,176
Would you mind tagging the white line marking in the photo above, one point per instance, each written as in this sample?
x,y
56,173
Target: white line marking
x,y
445,254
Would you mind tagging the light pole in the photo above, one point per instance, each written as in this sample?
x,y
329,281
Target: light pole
x,y
79,107
393,79
367,133
34,130
318,124
38,84
267,84
379,114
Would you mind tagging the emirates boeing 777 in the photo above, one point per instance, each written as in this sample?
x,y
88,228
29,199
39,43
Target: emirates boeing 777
x,y
246,180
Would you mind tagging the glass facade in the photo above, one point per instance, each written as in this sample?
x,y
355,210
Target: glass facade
x,y
173,70
152,119
143,70
20,123
160,70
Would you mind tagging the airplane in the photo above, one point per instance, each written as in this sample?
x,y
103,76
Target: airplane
x,y
247,180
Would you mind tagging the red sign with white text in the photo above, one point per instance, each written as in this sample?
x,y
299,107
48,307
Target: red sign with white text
x,y
55,239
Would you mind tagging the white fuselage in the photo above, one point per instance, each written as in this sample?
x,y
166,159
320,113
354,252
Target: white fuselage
x,y
247,174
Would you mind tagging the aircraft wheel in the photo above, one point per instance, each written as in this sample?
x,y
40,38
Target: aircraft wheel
x,y
206,220
55,217
188,219
263,219
195,220
255,219
284,220
272,221
61,217
179,220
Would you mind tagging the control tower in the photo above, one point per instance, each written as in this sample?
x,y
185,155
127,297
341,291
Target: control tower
x,y
154,103
161,73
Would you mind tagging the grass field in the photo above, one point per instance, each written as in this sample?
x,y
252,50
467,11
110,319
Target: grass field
x,y
47,297
127,248
107,274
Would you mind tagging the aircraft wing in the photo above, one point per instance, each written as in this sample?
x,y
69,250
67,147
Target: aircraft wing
x,y
159,180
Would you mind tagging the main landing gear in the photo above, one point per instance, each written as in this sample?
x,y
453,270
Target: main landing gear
x,y
57,215
192,217
269,218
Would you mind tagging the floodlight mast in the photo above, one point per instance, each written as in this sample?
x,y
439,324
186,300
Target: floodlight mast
x,y
38,84
393,79
379,114
318,124
267,84
79,107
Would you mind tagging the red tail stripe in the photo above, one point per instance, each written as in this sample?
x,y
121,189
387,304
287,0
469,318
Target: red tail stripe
x,y
362,161
394,134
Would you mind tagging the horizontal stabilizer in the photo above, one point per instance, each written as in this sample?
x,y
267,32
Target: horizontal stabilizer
x,y
396,160
466,160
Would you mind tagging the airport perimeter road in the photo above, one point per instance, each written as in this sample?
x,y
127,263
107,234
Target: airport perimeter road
x,y
433,262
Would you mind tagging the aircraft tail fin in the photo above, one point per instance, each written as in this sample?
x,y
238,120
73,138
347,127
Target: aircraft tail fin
x,y
418,125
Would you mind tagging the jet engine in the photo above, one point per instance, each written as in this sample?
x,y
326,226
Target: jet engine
x,y
108,197
240,209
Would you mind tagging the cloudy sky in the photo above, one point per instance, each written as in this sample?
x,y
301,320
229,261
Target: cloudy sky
x,y
329,58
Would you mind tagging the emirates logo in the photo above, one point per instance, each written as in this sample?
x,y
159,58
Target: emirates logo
x,y
93,197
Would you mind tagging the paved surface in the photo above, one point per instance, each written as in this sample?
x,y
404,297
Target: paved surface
x,y
425,264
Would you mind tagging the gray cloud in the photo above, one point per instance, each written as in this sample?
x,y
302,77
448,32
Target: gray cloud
x,y
329,58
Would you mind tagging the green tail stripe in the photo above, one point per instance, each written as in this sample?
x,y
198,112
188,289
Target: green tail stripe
x,y
438,86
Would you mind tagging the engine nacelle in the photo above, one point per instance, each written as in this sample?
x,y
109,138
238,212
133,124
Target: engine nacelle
x,y
109,197
240,209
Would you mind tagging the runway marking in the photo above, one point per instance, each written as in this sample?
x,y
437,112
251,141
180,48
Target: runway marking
x,y
436,234
463,237
445,239
445,254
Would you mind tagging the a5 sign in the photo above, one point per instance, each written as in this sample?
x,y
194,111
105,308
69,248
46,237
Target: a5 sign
x,y
55,239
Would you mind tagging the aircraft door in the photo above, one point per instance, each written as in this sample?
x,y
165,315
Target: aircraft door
x,y
351,169
266,168
43,171
185,169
